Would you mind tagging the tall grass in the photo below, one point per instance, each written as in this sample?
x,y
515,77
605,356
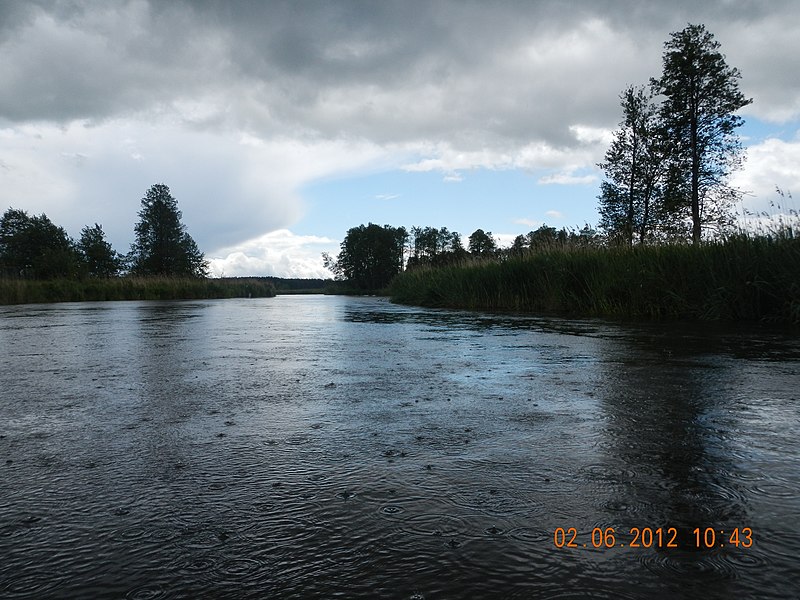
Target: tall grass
x,y
743,277
22,291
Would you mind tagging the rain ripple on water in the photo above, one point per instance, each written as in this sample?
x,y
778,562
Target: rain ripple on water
x,y
344,447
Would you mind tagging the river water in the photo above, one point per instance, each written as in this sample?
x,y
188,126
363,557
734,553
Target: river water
x,y
324,447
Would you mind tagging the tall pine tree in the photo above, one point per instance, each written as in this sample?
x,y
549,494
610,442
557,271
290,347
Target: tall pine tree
x,y
162,246
701,96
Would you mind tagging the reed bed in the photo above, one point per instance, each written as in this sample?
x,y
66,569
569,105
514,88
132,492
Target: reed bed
x,y
23,291
741,278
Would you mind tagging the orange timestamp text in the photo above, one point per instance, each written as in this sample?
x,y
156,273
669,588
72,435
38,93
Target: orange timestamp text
x,y
653,537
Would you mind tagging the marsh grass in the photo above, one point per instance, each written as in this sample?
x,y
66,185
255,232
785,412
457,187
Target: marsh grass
x,y
22,291
742,277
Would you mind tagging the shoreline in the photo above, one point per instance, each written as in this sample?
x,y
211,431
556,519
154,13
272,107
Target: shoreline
x,y
25,291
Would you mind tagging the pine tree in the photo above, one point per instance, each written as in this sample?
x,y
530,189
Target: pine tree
x,y
701,95
162,246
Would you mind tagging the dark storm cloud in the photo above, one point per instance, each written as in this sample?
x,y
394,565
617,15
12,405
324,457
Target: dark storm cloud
x,y
471,73
92,61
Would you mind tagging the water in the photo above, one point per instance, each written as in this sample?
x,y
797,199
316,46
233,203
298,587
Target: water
x,y
323,447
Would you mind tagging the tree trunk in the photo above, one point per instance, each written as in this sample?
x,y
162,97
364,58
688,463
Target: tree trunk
x,y
695,180
645,210
631,188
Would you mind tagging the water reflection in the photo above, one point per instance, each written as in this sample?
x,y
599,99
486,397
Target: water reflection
x,y
658,414
664,467
680,409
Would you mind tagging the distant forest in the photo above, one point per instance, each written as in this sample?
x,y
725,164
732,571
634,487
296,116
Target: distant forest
x,y
293,285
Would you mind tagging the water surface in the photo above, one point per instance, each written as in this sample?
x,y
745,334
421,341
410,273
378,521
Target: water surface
x,y
318,447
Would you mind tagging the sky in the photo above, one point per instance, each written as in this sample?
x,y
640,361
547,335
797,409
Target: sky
x,y
278,126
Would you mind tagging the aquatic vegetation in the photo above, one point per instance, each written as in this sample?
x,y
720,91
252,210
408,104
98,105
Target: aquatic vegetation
x,y
24,291
741,277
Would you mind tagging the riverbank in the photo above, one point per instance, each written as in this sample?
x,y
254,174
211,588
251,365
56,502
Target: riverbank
x,y
742,278
22,291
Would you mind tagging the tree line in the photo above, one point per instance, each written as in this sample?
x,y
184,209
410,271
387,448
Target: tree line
x,y
33,247
371,255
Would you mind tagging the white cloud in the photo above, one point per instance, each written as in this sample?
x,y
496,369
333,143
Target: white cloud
x,y
592,135
453,177
504,240
568,178
279,253
770,164
450,161
560,163
229,185
536,223
532,223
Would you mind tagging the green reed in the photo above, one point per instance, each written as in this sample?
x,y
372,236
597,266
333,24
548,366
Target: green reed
x,y
24,291
742,277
